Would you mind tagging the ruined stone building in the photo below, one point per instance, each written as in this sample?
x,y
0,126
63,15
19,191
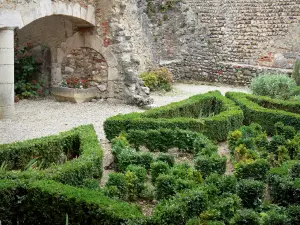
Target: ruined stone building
x,y
111,41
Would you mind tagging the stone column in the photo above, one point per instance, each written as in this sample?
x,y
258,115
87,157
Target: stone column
x,y
6,72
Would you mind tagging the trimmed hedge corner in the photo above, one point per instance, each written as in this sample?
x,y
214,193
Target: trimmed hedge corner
x,y
48,202
81,141
266,111
211,114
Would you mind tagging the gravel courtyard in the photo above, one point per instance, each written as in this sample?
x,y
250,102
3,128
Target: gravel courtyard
x,y
45,117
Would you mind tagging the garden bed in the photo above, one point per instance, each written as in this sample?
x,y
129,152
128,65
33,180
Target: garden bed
x,y
211,114
266,111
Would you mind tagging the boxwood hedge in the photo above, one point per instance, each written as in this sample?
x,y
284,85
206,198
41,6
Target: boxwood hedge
x,y
266,111
48,202
211,114
80,143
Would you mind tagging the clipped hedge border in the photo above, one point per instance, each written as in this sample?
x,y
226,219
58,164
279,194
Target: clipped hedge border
x,y
164,139
88,165
48,202
216,127
266,117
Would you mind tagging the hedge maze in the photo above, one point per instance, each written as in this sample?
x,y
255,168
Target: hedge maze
x,y
46,179
211,114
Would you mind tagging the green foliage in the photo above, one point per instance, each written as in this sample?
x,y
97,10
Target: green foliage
x,y
266,111
223,208
245,216
164,139
294,214
288,132
251,137
148,192
273,85
25,67
296,72
166,157
92,184
251,192
295,171
139,171
48,202
81,141
257,169
213,164
284,189
180,208
224,183
158,168
183,115
125,155
159,79
120,182
165,186
274,217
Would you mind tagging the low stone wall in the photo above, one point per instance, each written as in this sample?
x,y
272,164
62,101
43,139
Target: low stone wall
x,y
227,73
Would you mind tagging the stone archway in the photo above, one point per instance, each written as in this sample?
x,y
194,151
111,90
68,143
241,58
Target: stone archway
x,y
88,64
95,45
19,15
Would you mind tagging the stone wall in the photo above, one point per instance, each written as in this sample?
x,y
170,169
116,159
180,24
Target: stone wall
x,y
87,64
196,36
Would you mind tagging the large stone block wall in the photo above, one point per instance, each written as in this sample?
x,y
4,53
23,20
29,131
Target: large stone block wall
x,y
199,35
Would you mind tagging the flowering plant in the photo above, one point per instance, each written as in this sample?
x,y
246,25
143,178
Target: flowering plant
x,y
76,83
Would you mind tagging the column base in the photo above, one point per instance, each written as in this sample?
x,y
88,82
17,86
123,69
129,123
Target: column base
x,y
7,112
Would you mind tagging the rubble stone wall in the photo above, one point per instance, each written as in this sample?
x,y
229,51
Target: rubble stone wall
x,y
199,35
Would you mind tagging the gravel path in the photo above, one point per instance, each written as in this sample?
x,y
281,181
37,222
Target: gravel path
x,y
45,117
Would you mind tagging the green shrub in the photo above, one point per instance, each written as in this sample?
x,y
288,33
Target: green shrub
x,y
139,171
125,158
134,186
293,147
274,217
296,72
166,157
159,79
284,189
288,132
245,216
251,192
158,168
148,192
223,208
145,159
252,137
213,164
125,155
294,214
267,112
182,207
295,171
164,139
48,202
165,186
277,140
257,169
186,172
119,181
225,183
274,85
211,113
92,184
